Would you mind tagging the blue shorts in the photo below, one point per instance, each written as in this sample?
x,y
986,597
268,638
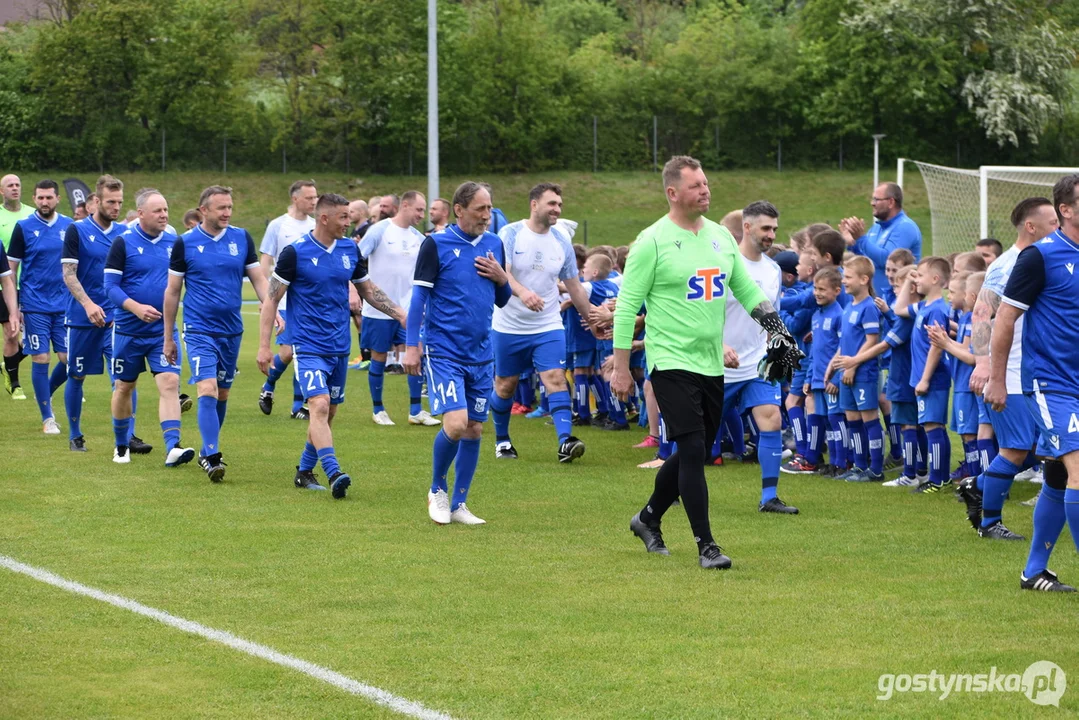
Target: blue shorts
x,y
798,381
87,348
636,360
904,413
131,354
517,354
212,358
983,413
1055,417
964,414
455,386
859,397
604,349
752,393
933,407
823,401
42,328
381,334
322,375
584,359
1014,425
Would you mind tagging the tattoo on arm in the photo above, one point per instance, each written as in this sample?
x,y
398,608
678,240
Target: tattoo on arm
x,y
373,294
277,288
982,322
71,279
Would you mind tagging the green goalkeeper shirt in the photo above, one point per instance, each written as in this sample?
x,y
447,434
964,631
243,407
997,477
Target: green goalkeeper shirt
x,y
685,280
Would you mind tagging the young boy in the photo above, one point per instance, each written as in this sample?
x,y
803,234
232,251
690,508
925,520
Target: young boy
x,y
610,413
859,331
928,374
798,323
964,420
898,259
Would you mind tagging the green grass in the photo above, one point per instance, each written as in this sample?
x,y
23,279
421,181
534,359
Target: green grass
x,y
616,206
552,610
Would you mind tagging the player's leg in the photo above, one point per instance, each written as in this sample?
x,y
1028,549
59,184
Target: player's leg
x,y
37,328
764,399
1050,515
445,388
167,378
81,343
547,356
202,360
501,405
277,370
377,334
121,417
582,376
905,417
867,399
12,355
58,336
477,389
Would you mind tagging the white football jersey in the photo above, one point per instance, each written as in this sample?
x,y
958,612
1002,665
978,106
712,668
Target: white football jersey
x,y
996,279
740,332
538,262
280,233
391,253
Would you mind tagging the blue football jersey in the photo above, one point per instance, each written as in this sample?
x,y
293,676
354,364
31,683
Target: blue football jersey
x,y
457,323
213,269
899,388
860,319
826,324
934,313
1044,284
138,268
961,372
86,245
599,292
39,246
317,278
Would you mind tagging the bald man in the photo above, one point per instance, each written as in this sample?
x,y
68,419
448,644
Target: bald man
x,y
12,212
733,222
357,215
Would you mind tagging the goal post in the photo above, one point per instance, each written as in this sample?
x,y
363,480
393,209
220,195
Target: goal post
x,y
967,205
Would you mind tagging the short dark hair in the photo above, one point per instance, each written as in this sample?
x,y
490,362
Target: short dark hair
x,y
300,185
993,244
537,192
672,169
829,275
894,192
1064,193
211,191
108,182
940,266
410,196
1025,209
394,199
327,201
47,185
901,257
760,208
466,192
830,243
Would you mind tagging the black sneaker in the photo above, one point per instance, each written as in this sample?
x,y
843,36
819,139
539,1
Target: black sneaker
x,y
571,449
616,426
1046,581
306,480
339,483
997,531
750,455
599,420
579,421
77,444
266,402
968,492
712,558
927,488
505,451
775,505
652,537
186,403
138,447
214,467
301,414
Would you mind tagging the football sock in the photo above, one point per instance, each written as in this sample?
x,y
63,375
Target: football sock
x,y
500,412
58,377
375,381
468,457
940,455
560,413
39,378
445,450
1071,511
600,393
415,390
839,457
545,399
222,407
584,409
329,461
996,483
134,410
309,457
799,426
971,459
121,431
170,430
815,430
923,452
11,367
666,447
895,436
910,452
73,404
297,395
276,370
1050,514
617,409
987,450
770,455
856,428
875,436
209,425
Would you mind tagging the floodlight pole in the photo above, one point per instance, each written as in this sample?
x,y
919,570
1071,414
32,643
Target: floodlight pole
x,y
432,104
876,160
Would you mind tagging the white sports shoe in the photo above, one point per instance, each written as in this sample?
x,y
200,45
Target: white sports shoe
x,y
1025,475
786,454
1038,478
901,481
122,459
464,516
382,418
422,418
438,507
179,456
919,479
49,427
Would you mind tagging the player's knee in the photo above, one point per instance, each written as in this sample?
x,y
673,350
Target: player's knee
x,y
208,388
1056,474
454,424
691,447
767,417
505,387
40,359
554,380
285,353
319,406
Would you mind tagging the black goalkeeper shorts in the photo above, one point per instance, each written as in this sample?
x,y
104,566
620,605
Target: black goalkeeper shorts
x,y
690,402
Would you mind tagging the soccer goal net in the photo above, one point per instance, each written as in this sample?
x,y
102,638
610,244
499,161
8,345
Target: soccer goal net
x,y
967,205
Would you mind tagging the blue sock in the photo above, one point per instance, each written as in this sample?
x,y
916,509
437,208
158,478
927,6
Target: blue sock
x,y
770,455
600,393
972,457
121,430
996,484
222,407
58,378
309,457
134,411
732,422
445,451
39,378
638,400
940,455
1071,511
798,424
987,450
666,447
171,431
297,395
560,413
468,457
545,399
415,390
923,452
910,452
874,433
584,409
1049,516
839,457
751,426
816,434
500,413
329,461
617,409
276,370
209,425
375,381
856,430
73,404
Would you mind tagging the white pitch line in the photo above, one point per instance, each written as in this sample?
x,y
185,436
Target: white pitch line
x,y
397,704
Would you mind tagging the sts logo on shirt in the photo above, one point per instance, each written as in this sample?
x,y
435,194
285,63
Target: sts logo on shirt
x,y
706,284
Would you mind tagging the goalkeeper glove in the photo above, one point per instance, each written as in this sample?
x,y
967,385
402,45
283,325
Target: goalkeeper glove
x,y
782,357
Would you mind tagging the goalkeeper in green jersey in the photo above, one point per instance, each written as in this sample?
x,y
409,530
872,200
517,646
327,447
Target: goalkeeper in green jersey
x,y
685,268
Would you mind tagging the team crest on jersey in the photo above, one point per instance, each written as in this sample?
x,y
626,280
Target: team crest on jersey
x,y
335,392
233,249
481,405
347,263
706,284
